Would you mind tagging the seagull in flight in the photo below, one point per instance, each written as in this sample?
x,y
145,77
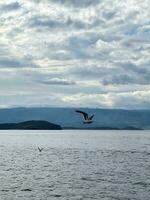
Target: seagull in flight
x,y
40,149
87,118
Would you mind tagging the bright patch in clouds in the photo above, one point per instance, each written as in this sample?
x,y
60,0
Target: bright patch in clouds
x,y
75,53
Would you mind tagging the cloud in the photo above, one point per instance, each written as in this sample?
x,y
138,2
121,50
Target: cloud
x,y
57,81
14,6
97,52
14,63
120,79
76,3
52,23
125,100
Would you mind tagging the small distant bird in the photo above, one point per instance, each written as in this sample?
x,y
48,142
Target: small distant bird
x,y
87,119
40,149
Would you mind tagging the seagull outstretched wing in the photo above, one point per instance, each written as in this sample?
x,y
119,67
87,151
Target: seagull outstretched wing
x,y
85,115
91,117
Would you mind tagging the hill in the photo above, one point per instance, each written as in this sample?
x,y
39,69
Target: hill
x,y
30,125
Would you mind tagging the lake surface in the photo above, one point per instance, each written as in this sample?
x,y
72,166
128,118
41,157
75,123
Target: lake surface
x,y
75,165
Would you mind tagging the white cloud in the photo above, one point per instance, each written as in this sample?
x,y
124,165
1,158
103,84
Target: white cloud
x,y
57,81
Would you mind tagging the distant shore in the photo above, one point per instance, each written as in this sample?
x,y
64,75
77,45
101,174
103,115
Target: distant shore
x,y
45,125
102,128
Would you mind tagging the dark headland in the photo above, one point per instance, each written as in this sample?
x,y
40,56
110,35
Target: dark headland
x,y
30,125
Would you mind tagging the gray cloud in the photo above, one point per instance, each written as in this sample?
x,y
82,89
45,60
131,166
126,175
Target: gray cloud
x,y
52,23
5,62
12,62
10,7
80,47
120,79
77,3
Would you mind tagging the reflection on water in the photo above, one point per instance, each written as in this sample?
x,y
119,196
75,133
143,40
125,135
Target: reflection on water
x,y
109,165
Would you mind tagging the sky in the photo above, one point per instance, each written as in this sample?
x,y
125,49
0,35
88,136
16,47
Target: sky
x,y
75,53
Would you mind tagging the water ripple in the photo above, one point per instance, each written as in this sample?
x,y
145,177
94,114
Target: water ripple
x,y
106,168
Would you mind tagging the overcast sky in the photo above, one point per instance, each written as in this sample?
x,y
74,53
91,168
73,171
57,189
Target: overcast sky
x,y
81,53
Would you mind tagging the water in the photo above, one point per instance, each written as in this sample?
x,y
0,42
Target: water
x,y
75,165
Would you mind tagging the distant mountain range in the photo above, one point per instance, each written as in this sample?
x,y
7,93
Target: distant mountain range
x,y
67,118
